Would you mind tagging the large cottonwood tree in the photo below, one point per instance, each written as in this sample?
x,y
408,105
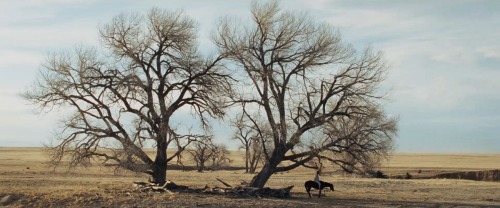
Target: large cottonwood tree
x,y
316,93
121,96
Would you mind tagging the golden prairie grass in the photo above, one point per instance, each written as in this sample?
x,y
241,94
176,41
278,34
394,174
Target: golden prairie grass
x,y
24,174
445,161
433,164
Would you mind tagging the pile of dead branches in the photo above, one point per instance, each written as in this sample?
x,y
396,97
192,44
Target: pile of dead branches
x,y
238,191
245,191
153,187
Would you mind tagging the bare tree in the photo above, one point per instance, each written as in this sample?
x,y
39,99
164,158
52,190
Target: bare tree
x,y
201,152
257,154
303,79
221,155
243,134
206,150
252,140
123,96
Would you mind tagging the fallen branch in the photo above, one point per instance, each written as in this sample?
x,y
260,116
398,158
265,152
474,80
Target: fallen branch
x,y
226,184
153,187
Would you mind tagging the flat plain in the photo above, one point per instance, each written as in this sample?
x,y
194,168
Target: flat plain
x,y
25,177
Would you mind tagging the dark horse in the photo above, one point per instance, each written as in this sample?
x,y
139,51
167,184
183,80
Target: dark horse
x,y
312,184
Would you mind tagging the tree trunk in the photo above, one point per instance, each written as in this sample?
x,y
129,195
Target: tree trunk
x,y
159,173
269,168
160,164
247,158
252,169
261,178
253,163
201,167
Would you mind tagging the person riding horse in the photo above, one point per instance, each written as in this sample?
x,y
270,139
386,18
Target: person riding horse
x,y
321,185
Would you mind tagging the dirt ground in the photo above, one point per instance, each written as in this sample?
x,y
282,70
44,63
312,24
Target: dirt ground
x,y
25,181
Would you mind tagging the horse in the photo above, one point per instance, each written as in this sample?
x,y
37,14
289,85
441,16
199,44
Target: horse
x,y
313,184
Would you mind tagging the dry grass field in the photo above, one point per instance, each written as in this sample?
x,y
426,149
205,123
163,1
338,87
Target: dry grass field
x,y
25,177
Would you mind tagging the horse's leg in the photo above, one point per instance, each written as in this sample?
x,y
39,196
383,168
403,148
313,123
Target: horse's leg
x,y
308,192
319,195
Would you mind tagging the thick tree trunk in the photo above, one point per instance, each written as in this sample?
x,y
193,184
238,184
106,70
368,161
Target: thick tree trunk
x,y
269,168
263,176
201,167
160,164
159,172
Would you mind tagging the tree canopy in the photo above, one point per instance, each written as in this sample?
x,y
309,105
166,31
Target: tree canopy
x,y
123,94
316,93
304,94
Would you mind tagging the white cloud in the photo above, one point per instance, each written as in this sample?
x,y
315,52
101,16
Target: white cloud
x,y
490,51
45,37
19,124
454,55
441,93
10,58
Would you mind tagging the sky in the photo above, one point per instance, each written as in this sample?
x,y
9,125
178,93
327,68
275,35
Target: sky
x,y
444,59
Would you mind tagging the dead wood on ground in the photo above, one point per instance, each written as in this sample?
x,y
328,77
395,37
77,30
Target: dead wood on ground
x,y
237,191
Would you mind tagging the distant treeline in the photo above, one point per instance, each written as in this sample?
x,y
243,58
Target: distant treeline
x,y
487,175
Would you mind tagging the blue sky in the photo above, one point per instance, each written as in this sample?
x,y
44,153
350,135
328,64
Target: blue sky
x,y
444,58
